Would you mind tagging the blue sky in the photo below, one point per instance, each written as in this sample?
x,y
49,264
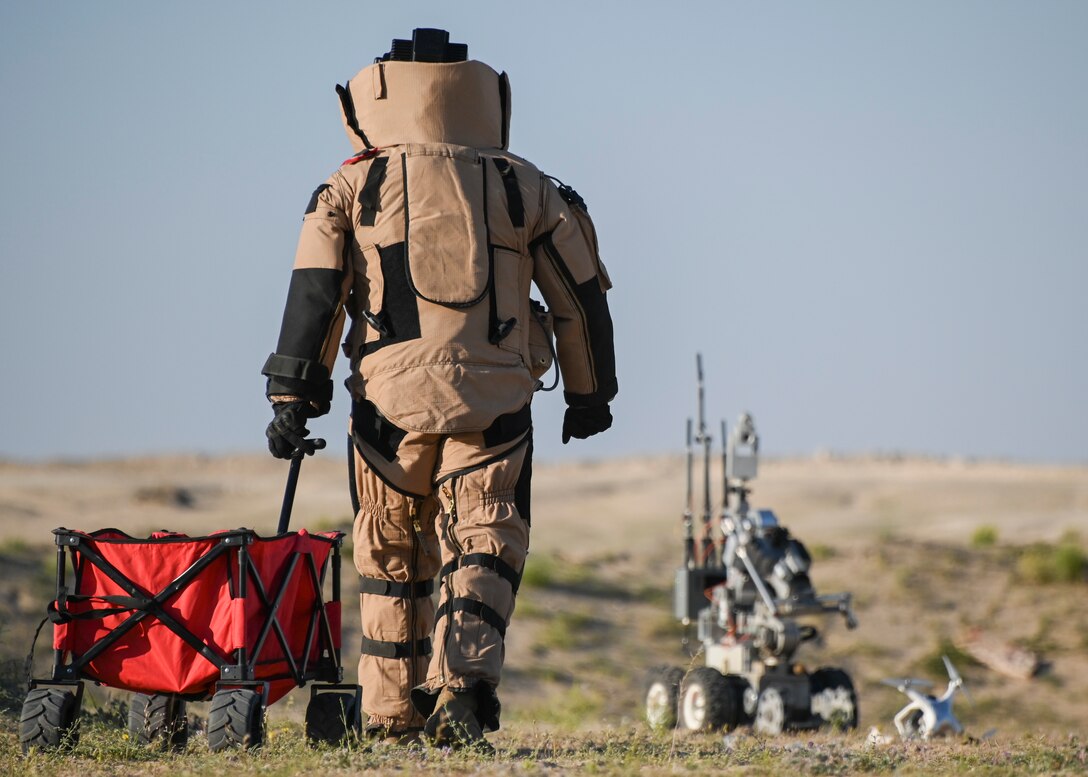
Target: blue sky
x,y
871,218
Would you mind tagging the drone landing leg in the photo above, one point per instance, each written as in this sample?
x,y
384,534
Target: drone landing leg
x,y
901,718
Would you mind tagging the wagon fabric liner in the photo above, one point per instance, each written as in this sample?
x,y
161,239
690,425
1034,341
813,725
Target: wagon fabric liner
x,y
173,614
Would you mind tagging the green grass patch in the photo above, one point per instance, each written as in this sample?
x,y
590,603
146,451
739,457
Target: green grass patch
x,y
544,673
539,572
984,536
1046,564
570,710
581,578
18,548
568,630
528,609
653,594
665,626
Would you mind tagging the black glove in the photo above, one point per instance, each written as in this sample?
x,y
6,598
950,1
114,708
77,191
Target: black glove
x,y
287,433
583,422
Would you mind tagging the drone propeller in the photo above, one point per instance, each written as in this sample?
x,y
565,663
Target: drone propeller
x,y
956,679
906,682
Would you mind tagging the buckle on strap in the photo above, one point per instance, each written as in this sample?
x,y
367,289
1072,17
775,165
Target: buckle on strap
x,y
475,607
487,561
417,590
398,650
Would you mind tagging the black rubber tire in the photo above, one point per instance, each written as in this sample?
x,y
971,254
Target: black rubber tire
x,y
833,677
236,719
737,686
661,697
331,718
707,702
158,720
49,720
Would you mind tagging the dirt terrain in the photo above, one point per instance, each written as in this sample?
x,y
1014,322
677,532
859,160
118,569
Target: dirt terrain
x,y
930,548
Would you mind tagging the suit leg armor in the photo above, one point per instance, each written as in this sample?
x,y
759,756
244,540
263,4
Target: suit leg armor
x,y
396,553
484,534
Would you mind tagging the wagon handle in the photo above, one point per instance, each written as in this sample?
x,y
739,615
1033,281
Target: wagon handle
x,y
316,444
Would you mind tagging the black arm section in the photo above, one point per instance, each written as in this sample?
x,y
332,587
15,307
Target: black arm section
x,y
301,377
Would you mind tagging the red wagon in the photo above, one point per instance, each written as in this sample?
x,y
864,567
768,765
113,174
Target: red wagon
x,y
232,617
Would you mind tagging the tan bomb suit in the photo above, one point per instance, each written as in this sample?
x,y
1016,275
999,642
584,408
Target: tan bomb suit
x,y
427,241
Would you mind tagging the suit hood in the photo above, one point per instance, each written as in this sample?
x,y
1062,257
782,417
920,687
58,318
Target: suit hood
x,y
393,103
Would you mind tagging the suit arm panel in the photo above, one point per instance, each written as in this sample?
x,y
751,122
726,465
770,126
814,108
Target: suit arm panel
x,y
569,273
313,317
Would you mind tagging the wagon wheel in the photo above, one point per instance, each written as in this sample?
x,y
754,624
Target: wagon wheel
x,y
235,720
833,698
770,715
158,720
331,718
707,701
49,720
663,696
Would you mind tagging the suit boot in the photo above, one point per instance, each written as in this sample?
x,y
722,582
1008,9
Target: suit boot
x,y
454,724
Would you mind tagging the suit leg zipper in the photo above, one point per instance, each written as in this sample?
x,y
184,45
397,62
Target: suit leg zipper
x,y
451,510
417,539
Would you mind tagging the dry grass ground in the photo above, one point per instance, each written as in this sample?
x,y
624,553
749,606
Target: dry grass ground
x,y
536,752
930,548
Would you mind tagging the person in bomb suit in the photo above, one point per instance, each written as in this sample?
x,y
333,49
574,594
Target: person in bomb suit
x,y
426,242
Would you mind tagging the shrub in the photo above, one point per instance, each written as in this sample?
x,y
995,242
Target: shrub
x,y
1045,564
1069,563
984,537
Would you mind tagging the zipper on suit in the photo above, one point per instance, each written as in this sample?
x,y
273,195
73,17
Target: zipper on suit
x,y
450,494
417,528
451,510
417,540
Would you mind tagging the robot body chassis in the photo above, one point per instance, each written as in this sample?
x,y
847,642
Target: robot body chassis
x,y
756,580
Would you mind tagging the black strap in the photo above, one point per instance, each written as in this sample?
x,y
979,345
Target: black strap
x,y
488,561
477,608
513,191
352,485
344,93
58,611
504,108
417,590
497,330
399,650
370,198
312,205
28,662
283,366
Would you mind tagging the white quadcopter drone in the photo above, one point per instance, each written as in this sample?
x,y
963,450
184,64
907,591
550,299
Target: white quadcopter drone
x,y
928,716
